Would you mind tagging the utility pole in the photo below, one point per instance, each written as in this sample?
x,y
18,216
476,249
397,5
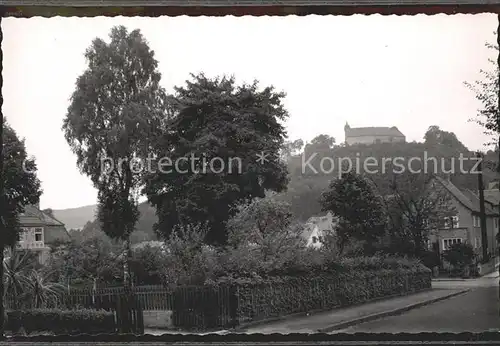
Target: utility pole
x,y
498,127
480,186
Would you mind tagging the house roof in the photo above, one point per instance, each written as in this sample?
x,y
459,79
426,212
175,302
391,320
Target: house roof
x,y
467,198
373,131
34,217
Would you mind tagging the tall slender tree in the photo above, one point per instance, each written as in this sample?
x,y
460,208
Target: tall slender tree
x,y
116,111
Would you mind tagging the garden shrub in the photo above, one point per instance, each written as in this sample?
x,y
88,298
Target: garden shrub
x,y
58,321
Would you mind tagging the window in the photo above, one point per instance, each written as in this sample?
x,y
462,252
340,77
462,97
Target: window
x,y
449,242
455,223
495,222
39,234
476,221
320,239
315,240
476,243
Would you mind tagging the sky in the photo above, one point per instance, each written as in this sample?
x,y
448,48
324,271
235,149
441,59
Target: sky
x,y
404,71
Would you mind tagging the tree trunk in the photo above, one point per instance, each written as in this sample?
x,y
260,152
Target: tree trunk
x,y
126,262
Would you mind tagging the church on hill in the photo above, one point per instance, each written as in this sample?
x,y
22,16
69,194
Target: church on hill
x,y
371,135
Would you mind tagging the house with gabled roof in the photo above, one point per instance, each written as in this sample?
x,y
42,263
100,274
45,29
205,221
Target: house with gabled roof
x,y
39,230
371,135
316,228
465,225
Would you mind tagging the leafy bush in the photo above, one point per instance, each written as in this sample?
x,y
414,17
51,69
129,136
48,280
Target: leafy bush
x,y
459,255
61,321
430,259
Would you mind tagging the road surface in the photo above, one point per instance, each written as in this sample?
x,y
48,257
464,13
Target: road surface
x,y
475,311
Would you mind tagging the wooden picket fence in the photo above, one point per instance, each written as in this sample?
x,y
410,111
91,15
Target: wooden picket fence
x,y
152,298
194,307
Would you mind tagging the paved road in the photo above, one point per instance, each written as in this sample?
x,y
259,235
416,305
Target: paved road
x,y
475,311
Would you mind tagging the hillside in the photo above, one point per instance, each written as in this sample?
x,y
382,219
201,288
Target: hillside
x,y
144,228
76,218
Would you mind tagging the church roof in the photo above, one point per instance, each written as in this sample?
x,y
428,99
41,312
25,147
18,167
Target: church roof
x,y
373,131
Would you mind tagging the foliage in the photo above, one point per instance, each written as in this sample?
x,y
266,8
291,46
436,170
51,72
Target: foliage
x,y
188,260
115,114
147,265
354,201
262,237
214,121
17,267
417,205
486,92
22,187
459,255
41,291
430,259
94,259
62,321
435,137
291,148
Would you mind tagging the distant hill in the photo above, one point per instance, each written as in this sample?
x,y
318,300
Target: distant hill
x,y
76,218
144,228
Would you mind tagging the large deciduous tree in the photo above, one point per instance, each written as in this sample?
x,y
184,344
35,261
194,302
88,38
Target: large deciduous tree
x,y
116,111
360,210
214,140
21,188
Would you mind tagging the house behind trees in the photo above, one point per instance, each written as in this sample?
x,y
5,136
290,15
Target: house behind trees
x,y
39,230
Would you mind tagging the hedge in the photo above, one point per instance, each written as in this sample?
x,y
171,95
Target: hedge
x,y
61,321
295,294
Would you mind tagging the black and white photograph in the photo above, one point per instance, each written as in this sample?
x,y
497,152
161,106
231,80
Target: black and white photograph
x,y
250,174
